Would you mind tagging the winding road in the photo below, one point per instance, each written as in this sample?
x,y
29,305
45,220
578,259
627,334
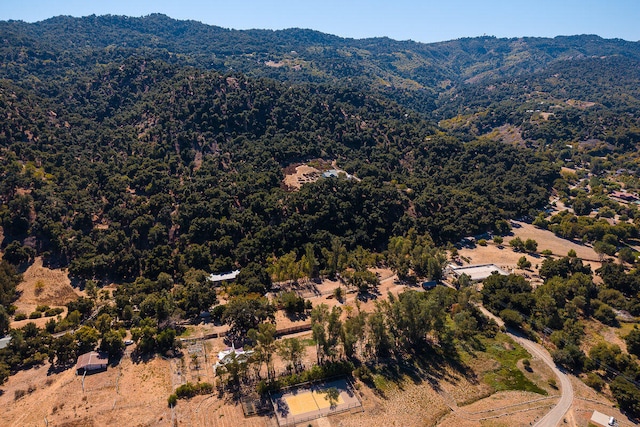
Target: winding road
x,y
555,415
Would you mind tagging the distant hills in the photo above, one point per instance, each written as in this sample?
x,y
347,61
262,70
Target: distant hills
x,y
412,73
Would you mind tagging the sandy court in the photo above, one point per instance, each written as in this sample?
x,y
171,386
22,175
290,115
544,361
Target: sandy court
x,y
323,402
311,402
301,403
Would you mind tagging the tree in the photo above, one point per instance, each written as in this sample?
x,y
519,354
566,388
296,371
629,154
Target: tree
x,y
112,343
633,341
64,350
626,394
380,340
103,323
309,262
166,339
466,325
246,312
87,339
352,333
4,321
602,249
517,244
530,245
502,227
627,255
292,350
524,263
336,257
570,357
264,337
17,254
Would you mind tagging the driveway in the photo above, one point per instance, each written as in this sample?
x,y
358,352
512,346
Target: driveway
x,y
555,415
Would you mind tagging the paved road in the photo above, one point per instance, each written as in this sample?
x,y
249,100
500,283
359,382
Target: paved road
x,y
555,415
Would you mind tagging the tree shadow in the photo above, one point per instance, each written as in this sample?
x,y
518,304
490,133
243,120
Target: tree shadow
x,y
296,316
58,368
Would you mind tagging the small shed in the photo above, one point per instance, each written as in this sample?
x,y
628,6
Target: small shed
x,y
92,362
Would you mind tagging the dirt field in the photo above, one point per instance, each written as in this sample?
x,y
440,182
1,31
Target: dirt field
x,y
56,291
135,392
503,256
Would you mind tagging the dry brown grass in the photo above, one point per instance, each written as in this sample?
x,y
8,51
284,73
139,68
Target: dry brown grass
x,y
56,291
130,394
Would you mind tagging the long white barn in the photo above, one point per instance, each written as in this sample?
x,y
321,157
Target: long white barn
x,y
221,277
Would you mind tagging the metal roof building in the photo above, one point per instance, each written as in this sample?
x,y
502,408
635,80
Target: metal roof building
x,y
478,272
92,361
221,277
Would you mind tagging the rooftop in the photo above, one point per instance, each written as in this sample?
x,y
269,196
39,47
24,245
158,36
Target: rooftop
x,y
224,276
477,272
91,358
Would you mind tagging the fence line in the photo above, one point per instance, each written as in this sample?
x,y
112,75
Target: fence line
x,y
318,414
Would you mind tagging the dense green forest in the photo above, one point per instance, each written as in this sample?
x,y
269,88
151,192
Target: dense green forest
x,y
151,152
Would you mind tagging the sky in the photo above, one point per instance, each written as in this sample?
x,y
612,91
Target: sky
x,y
419,20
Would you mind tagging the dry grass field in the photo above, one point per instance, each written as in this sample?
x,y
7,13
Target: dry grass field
x,y
135,392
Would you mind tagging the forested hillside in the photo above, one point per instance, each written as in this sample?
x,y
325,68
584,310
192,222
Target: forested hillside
x,y
144,167
409,72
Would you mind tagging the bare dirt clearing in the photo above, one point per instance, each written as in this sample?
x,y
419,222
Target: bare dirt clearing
x,y
55,291
301,175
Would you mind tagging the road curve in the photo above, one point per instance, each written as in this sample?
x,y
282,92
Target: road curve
x,y
555,415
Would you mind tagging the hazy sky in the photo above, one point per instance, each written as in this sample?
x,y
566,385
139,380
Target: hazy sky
x,y
419,20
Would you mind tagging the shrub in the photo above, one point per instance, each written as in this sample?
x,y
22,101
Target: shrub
x,y
627,395
511,317
53,312
172,400
42,308
35,315
482,242
524,263
20,316
188,390
364,374
594,381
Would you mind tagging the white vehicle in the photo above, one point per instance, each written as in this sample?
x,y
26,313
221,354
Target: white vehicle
x,y
128,342
612,422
